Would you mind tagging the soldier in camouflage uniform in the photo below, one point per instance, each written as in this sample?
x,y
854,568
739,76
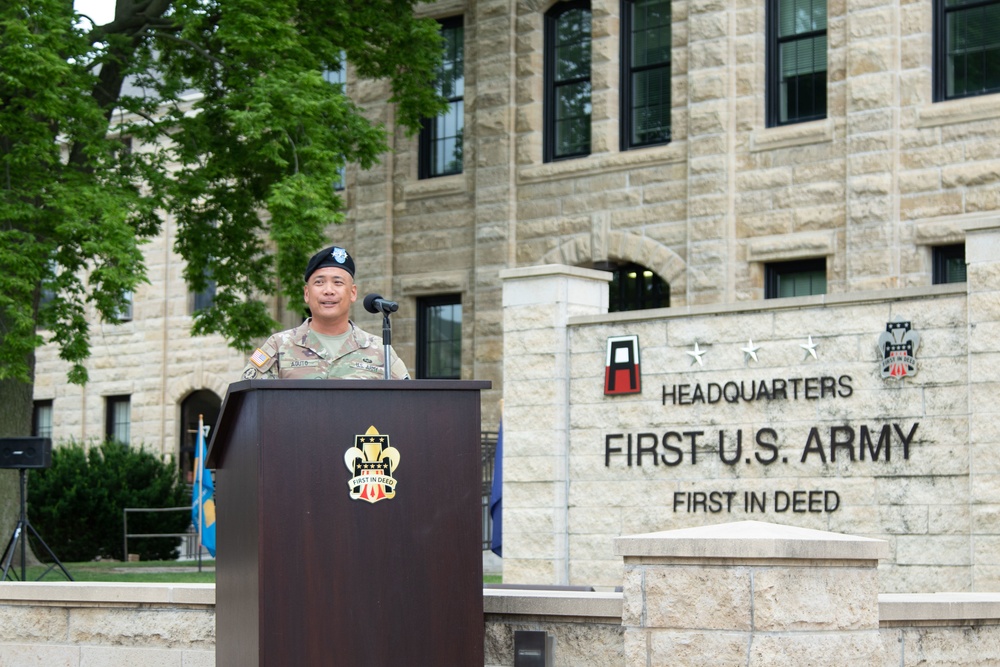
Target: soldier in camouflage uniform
x,y
328,344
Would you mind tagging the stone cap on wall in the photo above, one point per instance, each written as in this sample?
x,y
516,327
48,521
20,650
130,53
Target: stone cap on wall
x,y
596,605
555,270
939,607
750,540
103,593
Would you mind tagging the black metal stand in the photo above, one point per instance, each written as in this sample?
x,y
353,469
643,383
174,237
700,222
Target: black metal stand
x,y
387,343
19,535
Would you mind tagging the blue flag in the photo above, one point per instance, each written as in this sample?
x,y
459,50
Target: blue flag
x,y
203,497
496,497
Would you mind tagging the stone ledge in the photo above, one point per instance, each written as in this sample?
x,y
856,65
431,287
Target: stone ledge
x,y
953,228
554,603
772,305
965,110
107,594
599,165
798,245
751,540
435,187
555,270
434,283
943,607
788,136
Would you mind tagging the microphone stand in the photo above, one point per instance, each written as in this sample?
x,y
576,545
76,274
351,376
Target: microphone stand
x,y
374,303
387,342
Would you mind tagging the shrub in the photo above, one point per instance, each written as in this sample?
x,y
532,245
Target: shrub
x,y
76,504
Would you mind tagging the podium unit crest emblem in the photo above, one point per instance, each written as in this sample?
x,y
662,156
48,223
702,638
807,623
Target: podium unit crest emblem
x,y
897,346
372,462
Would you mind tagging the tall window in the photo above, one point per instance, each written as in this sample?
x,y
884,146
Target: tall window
x,y
338,78
567,80
125,311
206,297
634,287
441,138
439,337
41,419
796,63
800,278
118,419
966,48
948,264
645,115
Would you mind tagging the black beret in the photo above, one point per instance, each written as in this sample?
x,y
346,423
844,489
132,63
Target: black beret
x,y
332,256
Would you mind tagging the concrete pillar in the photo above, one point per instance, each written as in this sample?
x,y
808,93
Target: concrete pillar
x,y
982,255
537,304
750,593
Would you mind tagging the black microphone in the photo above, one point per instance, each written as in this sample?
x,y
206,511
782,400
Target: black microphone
x,y
374,303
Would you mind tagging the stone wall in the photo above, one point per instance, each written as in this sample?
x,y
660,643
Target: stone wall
x,y
773,410
747,593
117,625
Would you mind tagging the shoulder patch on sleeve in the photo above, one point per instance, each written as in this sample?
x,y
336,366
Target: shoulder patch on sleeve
x,y
259,358
264,357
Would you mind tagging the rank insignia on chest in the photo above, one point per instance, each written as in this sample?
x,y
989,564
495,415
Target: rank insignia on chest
x,y
372,462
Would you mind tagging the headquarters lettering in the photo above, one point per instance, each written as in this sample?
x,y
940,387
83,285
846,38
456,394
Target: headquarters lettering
x,y
763,447
776,389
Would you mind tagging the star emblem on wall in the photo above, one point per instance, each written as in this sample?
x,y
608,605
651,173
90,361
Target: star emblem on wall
x,y
750,351
810,348
696,355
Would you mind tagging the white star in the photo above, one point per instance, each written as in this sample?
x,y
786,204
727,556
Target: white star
x,y
809,347
750,351
696,355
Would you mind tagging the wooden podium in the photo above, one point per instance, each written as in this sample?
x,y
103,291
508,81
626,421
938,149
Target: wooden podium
x,y
313,571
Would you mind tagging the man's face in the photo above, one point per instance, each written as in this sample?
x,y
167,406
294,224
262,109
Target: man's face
x,y
329,295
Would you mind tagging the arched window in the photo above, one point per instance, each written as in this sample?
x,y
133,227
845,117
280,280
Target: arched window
x,y
203,402
635,287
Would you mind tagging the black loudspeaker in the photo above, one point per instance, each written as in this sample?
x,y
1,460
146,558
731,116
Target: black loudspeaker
x,y
25,452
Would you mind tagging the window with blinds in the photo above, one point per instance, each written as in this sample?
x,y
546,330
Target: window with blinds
x,y
797,61
949,264
805,277
967,48
645,78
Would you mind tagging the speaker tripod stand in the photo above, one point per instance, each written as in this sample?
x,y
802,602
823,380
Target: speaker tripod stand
x,y
20,535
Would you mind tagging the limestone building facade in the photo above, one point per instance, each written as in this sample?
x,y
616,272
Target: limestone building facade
x,y
730,149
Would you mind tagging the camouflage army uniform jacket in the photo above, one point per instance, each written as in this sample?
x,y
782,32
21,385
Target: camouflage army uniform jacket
x,y
297,354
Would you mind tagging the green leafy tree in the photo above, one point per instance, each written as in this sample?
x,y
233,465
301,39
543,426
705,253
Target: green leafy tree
x,y
77,504
214,111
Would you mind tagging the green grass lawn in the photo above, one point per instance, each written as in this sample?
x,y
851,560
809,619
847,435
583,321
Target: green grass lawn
x,y
171,571
144,572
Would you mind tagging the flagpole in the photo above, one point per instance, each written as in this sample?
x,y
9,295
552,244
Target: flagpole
x,y
198,480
